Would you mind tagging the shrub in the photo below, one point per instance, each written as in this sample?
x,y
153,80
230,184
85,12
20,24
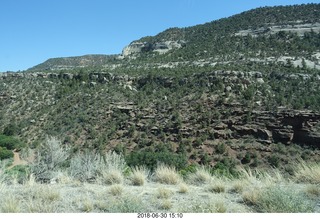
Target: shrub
x,y
274,160
5,153
10,142
51,156
221,148
246,159
10,130
19,173
85,166
151,159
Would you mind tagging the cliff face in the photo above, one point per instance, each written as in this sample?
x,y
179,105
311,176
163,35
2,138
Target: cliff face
x,y
161,47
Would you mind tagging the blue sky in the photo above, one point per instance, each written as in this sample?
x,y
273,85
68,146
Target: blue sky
x,y
33,31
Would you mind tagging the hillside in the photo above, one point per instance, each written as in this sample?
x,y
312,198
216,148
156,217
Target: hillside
x,y
276,35
241,91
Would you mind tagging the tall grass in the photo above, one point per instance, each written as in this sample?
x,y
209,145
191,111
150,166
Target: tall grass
x,y
166,175
10,204
139,175
307,172
278,199
201,176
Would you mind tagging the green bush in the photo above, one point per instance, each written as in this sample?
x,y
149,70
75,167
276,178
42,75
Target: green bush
x,y
10,142
19,172
10,130
151,159
274,161
5,153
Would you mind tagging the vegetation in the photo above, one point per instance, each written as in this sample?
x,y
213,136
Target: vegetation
x,y
231,115
260,191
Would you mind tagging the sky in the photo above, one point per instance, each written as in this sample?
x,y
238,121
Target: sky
x,y
32,31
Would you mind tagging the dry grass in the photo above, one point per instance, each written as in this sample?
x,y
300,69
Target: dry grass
x,y
165,204
112,176
138,176
259,192
216,187
220,207
116,190
283,199
251,197
166,175
183,188
238,186
307,172
201,176
163,193
313,191
10,204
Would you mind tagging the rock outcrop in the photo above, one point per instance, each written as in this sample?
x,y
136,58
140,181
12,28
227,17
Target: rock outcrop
x,y
161,47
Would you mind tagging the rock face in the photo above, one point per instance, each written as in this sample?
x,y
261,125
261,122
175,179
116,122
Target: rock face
x,y
161,47
285,126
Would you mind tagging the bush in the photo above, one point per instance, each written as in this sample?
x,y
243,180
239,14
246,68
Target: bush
x,y
49,158
85,166
274,161
89,165
5,153
10,142
19,173
151,159
10,130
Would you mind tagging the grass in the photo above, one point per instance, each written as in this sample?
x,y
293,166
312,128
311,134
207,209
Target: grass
x,y
116,190
216,187
220,207
238,186
313,191
165,204
10,204
113,176
253,191
251,197
138,176
307,172
166,175
278,199
163,193
183,188
201,176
